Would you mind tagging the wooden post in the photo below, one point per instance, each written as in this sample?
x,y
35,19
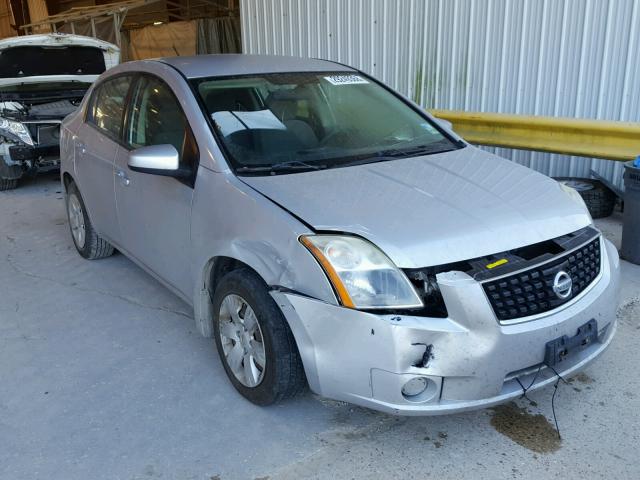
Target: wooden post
x,y
38,11
6,19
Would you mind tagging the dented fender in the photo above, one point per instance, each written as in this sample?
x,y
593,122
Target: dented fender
x,y
240,231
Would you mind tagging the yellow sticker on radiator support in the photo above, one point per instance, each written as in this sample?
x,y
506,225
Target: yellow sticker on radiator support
x,y
497,263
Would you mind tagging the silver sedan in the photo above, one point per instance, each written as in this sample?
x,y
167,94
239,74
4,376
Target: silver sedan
x,y
328,232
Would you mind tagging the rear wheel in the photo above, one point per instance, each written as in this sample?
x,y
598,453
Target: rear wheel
x,y
254,342
8,184
599,199
88,243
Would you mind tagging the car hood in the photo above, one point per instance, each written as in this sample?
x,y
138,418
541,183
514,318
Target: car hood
x,y
42,80
431,210
110,52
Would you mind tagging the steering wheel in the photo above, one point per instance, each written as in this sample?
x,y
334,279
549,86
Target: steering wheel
x,y
336,134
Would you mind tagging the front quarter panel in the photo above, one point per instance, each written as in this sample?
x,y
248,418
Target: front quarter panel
x,y
230,219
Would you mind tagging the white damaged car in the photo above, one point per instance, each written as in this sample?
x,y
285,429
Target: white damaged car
x,y
43,79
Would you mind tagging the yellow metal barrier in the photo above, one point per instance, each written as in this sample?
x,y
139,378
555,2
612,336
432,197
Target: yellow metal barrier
x,y
587,138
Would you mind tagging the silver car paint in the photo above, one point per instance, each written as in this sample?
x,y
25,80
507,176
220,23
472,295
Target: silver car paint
x,y
94,157
374,355
348,354
432,210
211,233
158,157
239,64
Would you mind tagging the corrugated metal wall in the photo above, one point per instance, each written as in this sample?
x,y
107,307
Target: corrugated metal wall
x,y
570,58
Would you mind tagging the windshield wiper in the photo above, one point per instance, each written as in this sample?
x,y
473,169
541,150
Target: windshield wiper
x,y
392,154
281,167
426,149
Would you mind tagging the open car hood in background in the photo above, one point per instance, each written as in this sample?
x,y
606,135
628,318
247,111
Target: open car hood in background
x,y
26,59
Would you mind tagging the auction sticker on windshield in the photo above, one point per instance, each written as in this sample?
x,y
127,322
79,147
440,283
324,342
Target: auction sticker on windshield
x,y
345,79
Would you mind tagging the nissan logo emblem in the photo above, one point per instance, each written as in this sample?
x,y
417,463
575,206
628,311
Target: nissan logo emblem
x,y
562,284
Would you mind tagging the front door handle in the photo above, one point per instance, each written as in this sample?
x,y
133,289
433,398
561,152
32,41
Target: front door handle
x,y
123,177
81,146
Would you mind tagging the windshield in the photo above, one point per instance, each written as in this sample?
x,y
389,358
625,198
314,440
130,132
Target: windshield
x,y
32,61
303,121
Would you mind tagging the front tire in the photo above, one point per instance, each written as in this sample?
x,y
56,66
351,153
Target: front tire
x,y
86,240
254,342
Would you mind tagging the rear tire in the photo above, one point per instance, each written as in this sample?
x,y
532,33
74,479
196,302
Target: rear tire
x,y
599,199
87,242
282,375
8,184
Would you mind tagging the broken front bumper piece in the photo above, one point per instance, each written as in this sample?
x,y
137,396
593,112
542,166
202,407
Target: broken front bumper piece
x,y
16,160
27,152
466,361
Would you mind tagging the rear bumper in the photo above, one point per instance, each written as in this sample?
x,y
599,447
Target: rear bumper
x,y
365,359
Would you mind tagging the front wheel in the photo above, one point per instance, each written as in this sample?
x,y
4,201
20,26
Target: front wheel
x,y
254,342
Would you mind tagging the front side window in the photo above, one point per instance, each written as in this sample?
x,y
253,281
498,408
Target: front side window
x,y
158,119
107,107
301,121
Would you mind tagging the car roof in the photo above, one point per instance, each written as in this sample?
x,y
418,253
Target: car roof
x,y
224,65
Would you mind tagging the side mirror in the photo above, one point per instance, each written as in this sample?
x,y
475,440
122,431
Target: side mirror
x,y
156,160
446,124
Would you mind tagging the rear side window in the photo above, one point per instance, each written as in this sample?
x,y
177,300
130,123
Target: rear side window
x,y
107,106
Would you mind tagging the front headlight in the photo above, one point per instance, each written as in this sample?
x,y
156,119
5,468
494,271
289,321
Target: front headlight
x,y
15,130
362,276
573,195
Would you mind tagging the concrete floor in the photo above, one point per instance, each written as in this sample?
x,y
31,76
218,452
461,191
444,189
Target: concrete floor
x,y
102,376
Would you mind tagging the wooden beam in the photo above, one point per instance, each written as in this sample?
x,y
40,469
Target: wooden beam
x,y
6,19
86,13
38,12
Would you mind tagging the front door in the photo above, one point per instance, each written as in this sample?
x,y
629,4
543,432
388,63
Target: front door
x,y
154,211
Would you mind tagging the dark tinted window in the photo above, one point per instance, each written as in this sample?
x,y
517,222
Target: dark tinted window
x,y
35,61
107,106
158,119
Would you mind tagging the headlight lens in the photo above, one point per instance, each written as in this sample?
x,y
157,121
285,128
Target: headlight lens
x,y
15,129
573,194
362,276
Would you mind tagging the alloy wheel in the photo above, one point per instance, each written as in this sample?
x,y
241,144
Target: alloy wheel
x,y
76,220
242,340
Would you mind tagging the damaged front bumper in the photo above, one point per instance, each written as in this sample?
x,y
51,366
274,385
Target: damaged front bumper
x,y
472,361
19,153
18,159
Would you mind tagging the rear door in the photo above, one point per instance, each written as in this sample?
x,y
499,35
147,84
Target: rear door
x,y
97,145
154,211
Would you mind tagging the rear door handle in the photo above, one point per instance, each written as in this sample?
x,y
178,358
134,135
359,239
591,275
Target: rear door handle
x,y
123,177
